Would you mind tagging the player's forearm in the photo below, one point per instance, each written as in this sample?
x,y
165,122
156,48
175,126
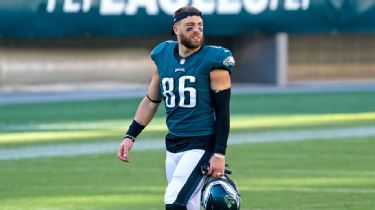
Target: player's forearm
x,y
146,111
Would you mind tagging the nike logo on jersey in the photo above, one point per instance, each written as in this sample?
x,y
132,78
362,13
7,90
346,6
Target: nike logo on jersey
x,y
179,70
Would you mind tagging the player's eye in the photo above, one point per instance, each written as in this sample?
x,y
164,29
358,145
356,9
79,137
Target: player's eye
x,y
190,28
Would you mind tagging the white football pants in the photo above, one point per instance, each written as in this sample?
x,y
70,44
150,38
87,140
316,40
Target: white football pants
x,y
185,179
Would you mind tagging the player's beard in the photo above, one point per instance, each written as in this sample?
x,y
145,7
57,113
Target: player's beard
x,y
189,43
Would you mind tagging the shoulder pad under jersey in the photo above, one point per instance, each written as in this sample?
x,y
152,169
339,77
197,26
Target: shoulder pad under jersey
x,y
159,49
222,58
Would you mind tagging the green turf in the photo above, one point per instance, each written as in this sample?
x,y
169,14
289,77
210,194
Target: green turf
x,y
316,174
25,124
255,104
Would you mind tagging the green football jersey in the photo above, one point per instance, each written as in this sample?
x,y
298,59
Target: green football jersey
x,y
185,86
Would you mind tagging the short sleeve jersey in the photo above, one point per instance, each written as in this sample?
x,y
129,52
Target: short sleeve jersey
x,y
185,86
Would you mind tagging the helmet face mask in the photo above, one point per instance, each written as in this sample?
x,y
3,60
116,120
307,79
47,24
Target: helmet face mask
x,y
220,194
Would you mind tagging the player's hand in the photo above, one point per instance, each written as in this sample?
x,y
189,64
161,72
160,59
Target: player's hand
x,y
124,149
217,166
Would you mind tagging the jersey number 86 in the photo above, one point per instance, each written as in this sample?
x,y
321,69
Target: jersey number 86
x,y
183,92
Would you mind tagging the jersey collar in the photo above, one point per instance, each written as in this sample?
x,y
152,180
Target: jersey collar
x,y
178,57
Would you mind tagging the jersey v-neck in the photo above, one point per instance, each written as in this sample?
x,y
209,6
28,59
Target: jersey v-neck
x,y
183,61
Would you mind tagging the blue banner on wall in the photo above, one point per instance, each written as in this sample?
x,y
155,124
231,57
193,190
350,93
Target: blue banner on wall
x,y
76,18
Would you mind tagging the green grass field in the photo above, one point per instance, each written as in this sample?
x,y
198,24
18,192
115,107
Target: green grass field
x,y
303,175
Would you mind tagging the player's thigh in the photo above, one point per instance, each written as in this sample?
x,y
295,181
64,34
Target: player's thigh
x,y
188,162
171,162
187,178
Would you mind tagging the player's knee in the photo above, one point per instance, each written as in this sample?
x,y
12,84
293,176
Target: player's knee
x,y
175,207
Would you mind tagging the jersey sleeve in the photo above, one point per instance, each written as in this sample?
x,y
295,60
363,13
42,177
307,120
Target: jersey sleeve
x,y
157,51
224,59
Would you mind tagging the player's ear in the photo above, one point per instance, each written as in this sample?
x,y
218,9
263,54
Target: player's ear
x,y
175,29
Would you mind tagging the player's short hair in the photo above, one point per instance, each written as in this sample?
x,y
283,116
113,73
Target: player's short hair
x,y
184,12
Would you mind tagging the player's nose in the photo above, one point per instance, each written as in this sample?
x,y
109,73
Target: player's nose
x,y
197,29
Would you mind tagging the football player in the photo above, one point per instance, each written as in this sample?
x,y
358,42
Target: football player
x,y
194,82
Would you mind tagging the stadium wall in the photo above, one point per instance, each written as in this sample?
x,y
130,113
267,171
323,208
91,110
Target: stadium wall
x,y
331,57
274,41
85,61
77,18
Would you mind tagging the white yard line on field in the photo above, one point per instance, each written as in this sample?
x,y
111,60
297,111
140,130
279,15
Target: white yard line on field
x,y
311,189
59,150
100,91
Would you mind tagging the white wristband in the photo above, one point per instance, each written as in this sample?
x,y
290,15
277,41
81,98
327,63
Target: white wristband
x,y
219,155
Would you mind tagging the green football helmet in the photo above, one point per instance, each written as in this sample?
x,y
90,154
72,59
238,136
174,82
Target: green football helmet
x,y
220,194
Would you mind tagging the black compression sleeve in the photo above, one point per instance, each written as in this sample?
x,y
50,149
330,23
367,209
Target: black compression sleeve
x,y
221,101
